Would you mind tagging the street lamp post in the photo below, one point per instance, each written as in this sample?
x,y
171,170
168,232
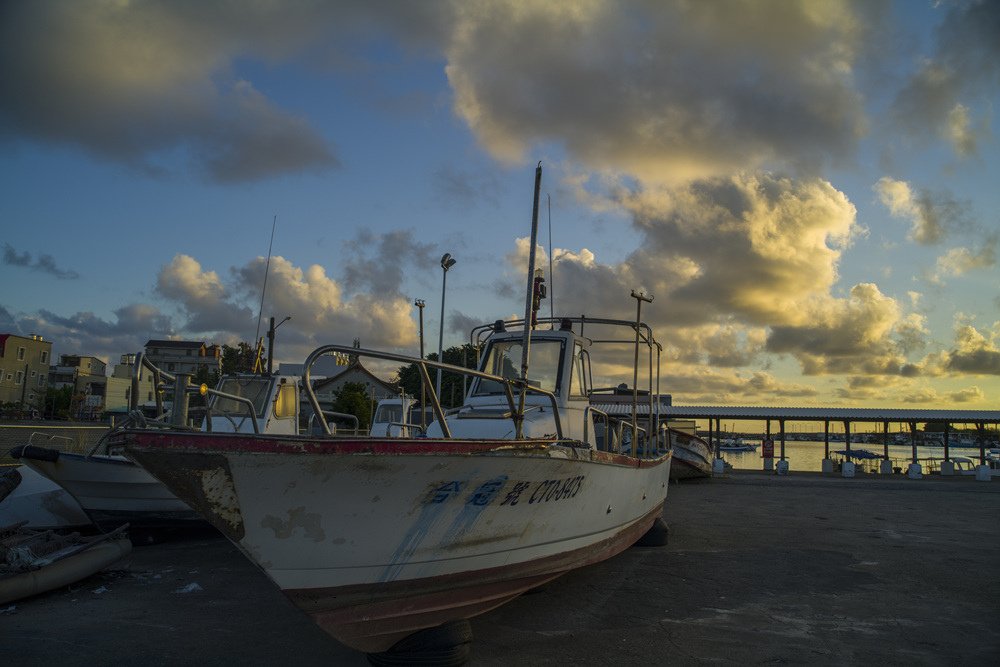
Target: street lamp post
x,y
270,342
447,261
419,303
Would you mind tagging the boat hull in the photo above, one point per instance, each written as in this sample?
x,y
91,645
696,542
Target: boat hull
x,y
378,539
112,490
692,457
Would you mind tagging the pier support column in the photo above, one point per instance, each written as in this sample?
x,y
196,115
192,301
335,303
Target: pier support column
x,y
885,467
847,468
829,465
983,473
947,468
914,471
767,449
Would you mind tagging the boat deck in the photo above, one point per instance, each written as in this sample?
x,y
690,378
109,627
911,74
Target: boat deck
x,y
797,569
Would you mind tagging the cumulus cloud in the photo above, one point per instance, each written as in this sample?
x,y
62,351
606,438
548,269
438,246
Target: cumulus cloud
x,y
42,264
131,82
968,395
663,90
975,353
958,261
931,216
202,297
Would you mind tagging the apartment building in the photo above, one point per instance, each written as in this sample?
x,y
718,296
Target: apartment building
x,y
183,356
24,368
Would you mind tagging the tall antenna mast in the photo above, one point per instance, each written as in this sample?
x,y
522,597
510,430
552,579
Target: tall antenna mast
x,y
552,296
267,267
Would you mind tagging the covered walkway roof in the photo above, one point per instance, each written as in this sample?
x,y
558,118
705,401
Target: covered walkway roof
x,y
809,414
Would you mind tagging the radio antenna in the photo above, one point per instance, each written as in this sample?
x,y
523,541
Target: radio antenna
x,y
267,267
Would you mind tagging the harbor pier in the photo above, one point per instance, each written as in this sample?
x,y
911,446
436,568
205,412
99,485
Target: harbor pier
x,y
945,419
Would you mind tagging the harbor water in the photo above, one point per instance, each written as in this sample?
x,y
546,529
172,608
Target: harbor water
x,y
807,456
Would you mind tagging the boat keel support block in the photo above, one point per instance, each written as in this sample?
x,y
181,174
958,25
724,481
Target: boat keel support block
x,y
447,645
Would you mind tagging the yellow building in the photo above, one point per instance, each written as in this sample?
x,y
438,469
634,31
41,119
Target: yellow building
x,y
24,369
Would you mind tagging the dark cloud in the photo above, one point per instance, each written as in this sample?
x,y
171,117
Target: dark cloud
x,y
376,262
966,64
664,90
43,264
132,82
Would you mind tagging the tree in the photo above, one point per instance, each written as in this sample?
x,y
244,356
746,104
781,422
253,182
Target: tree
x,y
238,359
352,398
57,401
452,395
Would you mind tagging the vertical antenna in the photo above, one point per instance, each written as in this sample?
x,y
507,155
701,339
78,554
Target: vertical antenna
x,y
552,292
267,267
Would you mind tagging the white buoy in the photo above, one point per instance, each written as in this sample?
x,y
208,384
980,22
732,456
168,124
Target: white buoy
x,y
914,471
847,469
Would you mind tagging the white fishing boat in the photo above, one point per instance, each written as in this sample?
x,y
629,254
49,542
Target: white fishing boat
x,y
692,456
379,538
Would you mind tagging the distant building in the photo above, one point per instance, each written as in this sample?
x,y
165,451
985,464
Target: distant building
x,y
119,387
183,356
24,369
87,377
376,388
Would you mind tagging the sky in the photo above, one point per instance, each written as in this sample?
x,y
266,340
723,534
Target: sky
x,y
808,190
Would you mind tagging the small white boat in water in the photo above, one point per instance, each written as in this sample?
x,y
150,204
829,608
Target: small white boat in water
x,y
736,444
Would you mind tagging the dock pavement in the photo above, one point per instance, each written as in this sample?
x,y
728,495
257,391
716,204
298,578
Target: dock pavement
x,y
803,569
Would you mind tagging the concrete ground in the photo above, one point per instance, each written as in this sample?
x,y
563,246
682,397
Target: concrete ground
x,y
759,569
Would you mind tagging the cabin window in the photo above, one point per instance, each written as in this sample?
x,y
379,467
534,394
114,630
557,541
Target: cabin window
x,y
286,402
389,413
256,389
503,358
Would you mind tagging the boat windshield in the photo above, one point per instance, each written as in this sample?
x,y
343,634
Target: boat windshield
x,y
503,358
257,389
388,412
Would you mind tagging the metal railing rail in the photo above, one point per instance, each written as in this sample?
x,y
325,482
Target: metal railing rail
x,y
422,365
183,389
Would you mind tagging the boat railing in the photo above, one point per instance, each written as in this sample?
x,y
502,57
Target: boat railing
x,y
589,414
335,415
183,389
509,385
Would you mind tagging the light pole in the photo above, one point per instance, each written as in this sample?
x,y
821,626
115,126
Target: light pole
x,y
447,261
419,303
270,342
